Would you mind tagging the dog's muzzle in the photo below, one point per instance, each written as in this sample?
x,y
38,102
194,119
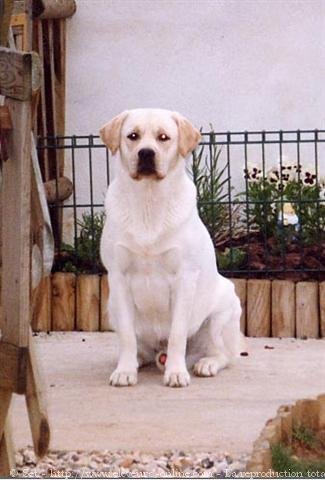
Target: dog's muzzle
x,y
146,162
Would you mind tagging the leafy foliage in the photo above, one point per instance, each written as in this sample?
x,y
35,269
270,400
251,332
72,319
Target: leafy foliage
x,y
84,257
304,435
212,184
282,461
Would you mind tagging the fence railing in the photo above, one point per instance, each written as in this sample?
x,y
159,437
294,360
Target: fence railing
x,y
261,195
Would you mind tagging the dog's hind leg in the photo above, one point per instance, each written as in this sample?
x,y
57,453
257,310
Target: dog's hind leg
x,y
219,341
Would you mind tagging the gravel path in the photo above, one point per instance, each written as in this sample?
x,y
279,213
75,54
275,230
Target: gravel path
x,y
104,464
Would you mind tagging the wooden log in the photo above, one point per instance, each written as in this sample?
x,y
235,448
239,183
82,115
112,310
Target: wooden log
x,y
104,315
5,399
63,301
58,8
5,15
258,308
36,404
87,315
13,362
58,190
7,453
241,290
16,184
41,315
5,119
283,308
20,74
322,308
307,316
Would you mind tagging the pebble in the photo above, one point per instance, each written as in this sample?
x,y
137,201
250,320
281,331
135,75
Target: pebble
x,y
207,463
130,464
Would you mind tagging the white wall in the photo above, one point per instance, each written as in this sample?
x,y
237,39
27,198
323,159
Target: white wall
x,y
239,65
245,64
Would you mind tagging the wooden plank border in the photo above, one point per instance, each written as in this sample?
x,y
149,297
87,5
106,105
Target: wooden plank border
x,y
278,308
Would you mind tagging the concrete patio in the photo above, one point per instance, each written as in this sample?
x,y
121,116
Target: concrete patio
x,y
225,413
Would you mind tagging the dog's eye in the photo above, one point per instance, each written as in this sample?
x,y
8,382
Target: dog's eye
x,y
163,137
133,136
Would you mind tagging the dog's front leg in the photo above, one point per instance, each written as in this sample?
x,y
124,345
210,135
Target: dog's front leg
x,y
176,374
125,373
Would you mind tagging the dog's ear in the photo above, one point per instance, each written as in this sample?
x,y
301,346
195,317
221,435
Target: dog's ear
x,y
110,133
188,136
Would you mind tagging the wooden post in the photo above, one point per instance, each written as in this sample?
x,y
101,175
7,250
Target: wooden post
x,y
322,308
307,317
104,315
258,308
88,303
7,454
16,233
41,318
5,13
283,308
241,290
58,8
16,344
63,301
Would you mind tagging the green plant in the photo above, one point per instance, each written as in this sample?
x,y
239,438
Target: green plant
x,y
212,184
84,256
231,258
283,461
304,435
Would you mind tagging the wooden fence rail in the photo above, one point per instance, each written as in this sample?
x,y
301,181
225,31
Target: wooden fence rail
x,y
270,308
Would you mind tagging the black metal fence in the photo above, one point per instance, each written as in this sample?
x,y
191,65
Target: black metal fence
x,y
260,194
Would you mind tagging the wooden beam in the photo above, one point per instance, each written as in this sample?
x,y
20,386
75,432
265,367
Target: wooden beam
x,y
283,308
7,454
58,8
20,74
87,314
6,7
104,315
63,301
36,404
5,399
307,313
258,308
13,362
41,316
16,206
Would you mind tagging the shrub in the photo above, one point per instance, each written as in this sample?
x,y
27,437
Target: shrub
x,y
84,256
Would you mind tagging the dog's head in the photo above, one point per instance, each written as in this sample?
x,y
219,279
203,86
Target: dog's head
x,y
150,141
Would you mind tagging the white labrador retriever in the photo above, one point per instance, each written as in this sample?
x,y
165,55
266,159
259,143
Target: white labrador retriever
x,y
165,290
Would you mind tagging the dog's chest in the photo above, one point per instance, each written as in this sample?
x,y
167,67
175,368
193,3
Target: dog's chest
x,y
151,281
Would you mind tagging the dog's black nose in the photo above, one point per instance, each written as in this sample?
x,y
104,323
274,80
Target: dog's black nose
x,y
146,163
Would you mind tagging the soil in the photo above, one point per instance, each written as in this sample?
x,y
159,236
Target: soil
x,y
314,452
264,259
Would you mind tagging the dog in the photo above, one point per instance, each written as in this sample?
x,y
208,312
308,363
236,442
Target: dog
x,y
165,290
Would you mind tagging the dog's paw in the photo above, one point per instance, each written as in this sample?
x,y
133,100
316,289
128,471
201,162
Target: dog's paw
x,y
208,367
121,378
177,378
